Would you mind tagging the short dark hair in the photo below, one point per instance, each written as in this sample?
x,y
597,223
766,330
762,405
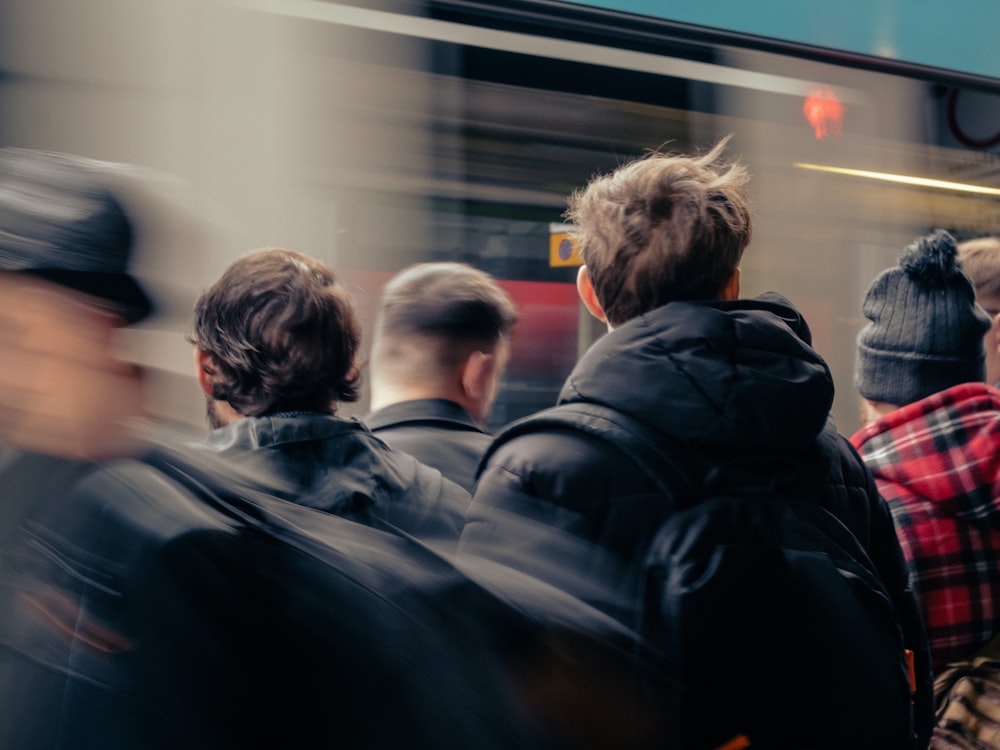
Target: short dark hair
x,y
662,228
455,303
282,333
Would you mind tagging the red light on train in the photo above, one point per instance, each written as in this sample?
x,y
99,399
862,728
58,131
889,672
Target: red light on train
x,y
825,112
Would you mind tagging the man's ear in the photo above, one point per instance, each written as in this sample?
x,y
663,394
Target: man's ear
x,y
588,296
204,369
477,373
479,381
872,410
732,288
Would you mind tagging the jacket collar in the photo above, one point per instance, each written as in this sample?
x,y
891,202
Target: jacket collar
x,y
276,429
423,411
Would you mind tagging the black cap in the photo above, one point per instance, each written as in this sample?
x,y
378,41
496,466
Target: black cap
x,y
60,220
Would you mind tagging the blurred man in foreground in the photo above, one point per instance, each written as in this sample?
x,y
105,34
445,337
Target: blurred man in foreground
x,y
65,399
441,343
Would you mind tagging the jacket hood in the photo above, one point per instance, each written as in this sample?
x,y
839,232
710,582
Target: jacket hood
x,y
944,449
738,376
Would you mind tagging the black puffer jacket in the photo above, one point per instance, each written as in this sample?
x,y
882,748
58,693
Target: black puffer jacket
x,y
724,381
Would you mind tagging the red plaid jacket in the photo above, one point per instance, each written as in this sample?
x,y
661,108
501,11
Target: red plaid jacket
x,y
937,464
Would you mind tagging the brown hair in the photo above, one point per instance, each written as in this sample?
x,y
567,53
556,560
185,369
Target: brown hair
x,y
459,307
980,259
282,334
662,228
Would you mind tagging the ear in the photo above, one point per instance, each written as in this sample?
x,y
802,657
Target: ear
x,y
588,296
204,369
477,374
732,288
872,410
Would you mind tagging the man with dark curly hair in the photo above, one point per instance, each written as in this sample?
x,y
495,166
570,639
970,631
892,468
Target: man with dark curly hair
x,y
276,333
276,338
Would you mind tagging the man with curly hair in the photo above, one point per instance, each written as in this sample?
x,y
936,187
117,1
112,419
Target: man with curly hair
x,y
276,339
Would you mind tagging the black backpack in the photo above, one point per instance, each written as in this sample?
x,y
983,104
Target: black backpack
x,y
764,608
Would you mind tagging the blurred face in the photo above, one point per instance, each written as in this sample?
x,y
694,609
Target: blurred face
x,y
991,341
62,391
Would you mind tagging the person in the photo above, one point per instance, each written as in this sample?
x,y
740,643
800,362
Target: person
x,y
716,380
442,340
66,399
980,259
931,435
276,338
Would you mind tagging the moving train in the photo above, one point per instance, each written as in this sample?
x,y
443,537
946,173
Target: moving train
x,y
377,134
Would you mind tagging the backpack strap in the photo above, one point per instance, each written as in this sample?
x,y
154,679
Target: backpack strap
x,y
672,469
678,472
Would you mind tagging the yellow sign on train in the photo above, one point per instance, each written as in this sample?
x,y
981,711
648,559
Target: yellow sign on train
x,y
563,250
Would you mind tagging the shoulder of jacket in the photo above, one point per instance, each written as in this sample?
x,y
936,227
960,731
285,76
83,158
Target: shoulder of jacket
x,y
544,444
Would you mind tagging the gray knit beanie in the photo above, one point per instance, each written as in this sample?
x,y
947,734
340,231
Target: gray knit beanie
x,y
926,330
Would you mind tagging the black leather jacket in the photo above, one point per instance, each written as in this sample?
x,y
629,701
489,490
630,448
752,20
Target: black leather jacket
x,y
437,432
339,466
